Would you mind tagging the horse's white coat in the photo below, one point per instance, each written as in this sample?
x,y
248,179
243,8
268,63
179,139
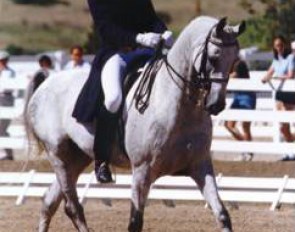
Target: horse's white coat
x,y
172,136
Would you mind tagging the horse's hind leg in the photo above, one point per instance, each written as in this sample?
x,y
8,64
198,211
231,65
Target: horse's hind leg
x,y
54,195
68,162
205,178
140,189
51,202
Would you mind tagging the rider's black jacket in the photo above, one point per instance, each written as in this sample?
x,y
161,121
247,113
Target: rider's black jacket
x,y
117,23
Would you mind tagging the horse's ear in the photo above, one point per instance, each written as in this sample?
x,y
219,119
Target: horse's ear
x,y
219,27
236,30
241,28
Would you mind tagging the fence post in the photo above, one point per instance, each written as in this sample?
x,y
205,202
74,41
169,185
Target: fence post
x,y
276,125
26,186
280,193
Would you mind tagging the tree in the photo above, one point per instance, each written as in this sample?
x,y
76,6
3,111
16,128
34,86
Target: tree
x,y
277,19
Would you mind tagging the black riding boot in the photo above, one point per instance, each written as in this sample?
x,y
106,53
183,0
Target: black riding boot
x,y
106,126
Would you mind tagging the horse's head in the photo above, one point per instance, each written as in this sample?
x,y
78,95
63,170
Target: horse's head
x,y
212,61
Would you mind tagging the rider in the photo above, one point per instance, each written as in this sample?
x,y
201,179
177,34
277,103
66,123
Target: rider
x,y
127,29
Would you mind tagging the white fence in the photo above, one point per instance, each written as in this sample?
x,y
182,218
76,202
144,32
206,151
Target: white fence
x,y
273,191
265,119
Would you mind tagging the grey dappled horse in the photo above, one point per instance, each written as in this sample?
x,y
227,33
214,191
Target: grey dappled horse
x,y
172,136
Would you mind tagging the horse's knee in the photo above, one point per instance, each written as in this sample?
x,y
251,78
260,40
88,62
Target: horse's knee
x,y
112,103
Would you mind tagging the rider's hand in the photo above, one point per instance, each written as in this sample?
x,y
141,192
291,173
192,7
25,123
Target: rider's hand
x,y
167,36
150,39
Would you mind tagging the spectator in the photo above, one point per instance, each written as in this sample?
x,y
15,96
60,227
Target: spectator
x,y
46,68
77,60
283,68
6,99
293,47
242,100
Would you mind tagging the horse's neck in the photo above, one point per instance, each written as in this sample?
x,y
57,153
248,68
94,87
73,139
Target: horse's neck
x,y
169,89
178,59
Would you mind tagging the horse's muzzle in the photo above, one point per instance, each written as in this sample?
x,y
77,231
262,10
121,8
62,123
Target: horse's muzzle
x,y
216,108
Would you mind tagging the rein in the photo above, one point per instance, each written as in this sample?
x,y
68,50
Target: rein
x,y
202,80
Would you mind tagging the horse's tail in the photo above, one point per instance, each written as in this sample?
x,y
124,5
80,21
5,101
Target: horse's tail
x,y
33,139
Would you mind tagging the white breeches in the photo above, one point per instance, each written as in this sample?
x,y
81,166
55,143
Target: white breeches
x,y
112,77
111,80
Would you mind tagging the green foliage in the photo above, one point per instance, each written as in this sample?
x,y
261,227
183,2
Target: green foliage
x,y
93,41
36,2
14,49
37,38
278,19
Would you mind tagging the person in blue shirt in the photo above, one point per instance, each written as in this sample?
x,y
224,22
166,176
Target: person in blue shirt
x,y
245,100
283,68
127,29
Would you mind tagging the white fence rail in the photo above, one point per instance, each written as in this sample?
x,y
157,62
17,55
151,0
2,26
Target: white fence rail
x,y
265,119
274,191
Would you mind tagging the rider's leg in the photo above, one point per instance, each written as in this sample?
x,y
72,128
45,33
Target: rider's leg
x,y
111,79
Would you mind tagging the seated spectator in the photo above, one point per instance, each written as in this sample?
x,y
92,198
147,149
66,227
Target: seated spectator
x,y
283,68
243,100
6,99
46,68
293,47
77,60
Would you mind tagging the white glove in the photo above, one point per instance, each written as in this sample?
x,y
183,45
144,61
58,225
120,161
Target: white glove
x,y
167,36
150,39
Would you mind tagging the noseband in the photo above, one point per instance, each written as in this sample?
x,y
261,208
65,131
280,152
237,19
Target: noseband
x,y
200,79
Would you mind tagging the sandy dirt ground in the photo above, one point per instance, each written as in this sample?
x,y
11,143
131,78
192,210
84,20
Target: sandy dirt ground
x,y
185,217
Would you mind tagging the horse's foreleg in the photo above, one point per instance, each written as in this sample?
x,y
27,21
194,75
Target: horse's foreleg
x,y
205,178
51,203
140,189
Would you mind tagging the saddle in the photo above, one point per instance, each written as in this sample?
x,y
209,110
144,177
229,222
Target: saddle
x,y
134,70
142,93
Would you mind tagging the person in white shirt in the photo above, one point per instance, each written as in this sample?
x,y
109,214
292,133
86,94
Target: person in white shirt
x,y
6,99
293,47
77,60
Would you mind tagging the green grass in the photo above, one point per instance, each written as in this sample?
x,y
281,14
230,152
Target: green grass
x,y
38,28
42,37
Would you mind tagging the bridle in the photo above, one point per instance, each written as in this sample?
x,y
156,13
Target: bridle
x,y
200,79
